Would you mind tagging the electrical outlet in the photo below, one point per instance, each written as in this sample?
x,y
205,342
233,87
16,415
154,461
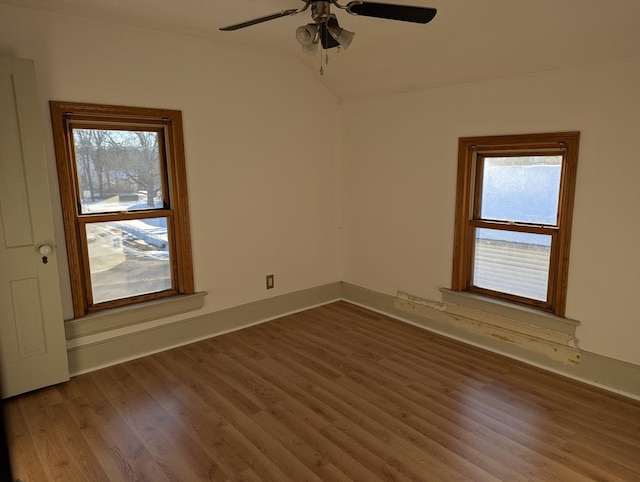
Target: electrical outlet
x,y
269,281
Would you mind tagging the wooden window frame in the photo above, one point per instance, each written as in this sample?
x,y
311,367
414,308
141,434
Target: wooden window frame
x,y
471,152
68,115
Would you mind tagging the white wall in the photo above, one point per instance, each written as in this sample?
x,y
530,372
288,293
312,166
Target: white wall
x,y
400,181
264,199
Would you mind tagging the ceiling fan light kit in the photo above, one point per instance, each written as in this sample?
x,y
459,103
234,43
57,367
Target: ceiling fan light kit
x,y
307,36
342,36
325,29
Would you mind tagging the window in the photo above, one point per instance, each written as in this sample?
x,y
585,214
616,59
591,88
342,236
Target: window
x,y
124,201
513,217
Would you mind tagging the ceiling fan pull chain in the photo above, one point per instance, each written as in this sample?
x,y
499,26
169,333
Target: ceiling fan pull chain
x,y
321,68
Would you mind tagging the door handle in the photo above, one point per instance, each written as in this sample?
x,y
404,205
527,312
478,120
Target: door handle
x,y
45,250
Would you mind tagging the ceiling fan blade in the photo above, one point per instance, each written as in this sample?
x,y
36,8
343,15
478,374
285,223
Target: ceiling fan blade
x,y
404,13
266,18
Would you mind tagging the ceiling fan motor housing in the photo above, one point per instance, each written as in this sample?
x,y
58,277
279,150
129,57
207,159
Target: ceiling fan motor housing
x,y
320,11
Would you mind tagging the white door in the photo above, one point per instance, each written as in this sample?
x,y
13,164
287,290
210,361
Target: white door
x,y
32,342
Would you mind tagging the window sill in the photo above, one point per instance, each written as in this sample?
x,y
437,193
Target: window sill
x,y
131,315
510,311
471,316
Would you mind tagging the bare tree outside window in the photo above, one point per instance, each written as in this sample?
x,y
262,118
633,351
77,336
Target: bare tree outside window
x,y
118,164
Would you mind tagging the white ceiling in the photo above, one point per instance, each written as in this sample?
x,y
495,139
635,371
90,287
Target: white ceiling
x,y
469,40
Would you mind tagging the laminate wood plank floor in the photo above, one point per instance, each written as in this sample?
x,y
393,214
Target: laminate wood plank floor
x,y
333,393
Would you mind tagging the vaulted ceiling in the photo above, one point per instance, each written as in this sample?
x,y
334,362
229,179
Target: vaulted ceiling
x,y
469,40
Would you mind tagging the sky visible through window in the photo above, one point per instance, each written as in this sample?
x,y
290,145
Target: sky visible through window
x,y
521,189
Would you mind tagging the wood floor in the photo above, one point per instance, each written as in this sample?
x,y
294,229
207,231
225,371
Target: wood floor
x,y
333,393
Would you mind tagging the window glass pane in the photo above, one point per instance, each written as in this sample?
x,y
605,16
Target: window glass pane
x,y
128,258
511,262
118,170
521,189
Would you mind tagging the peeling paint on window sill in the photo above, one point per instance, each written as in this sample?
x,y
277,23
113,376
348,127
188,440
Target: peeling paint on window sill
x,y
558,344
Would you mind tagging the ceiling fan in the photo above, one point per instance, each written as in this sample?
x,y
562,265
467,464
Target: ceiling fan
x,y
325,29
